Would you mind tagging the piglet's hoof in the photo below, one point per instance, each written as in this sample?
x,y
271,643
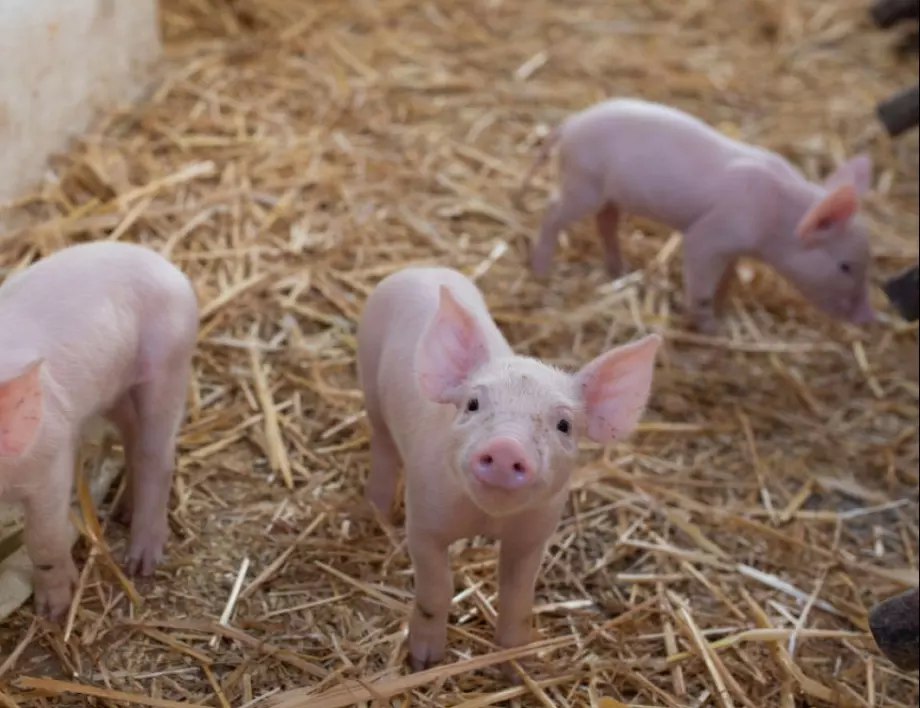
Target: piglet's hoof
x,y
424,652
540,264
510,674
705,325
422,662
53,587
616,270
144,553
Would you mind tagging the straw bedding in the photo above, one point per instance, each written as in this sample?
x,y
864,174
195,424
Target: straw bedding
x,y
294,154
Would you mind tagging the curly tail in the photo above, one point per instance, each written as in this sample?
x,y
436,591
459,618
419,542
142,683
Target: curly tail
x,y
540,158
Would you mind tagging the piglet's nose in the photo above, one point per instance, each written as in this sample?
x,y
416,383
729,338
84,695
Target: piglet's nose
x,y
502,463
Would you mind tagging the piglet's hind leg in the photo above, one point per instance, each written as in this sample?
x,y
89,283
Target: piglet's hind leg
x,y
608,230
562,211
384,475
124,416
383,478
160,405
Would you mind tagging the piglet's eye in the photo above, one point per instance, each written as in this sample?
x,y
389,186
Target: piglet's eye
x,y
845,267
564,427
472,405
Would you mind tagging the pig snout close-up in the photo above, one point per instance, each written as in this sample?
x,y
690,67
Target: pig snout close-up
x,y
488,439
729,199
107,330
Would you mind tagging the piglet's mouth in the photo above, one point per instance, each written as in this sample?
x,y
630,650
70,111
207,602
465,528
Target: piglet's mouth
x,y
498,502
863,314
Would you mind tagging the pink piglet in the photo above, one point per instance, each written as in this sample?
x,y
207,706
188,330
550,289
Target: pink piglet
x,y
728,198
488,439
100,329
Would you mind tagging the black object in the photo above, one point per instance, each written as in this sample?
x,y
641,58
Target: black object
x,y
895,626
903,291
900,112
887,13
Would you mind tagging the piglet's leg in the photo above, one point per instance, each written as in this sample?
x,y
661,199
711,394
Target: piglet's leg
x,y
562,211
433,593
608,230
384,475
705,267
160,405
124,416
725,284
49,536
519,565
383,478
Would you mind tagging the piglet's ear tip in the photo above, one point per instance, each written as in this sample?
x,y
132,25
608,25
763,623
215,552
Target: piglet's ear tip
x,y
650,342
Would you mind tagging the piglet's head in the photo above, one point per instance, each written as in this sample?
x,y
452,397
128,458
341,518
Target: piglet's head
x,y
20,411
832,267
513,442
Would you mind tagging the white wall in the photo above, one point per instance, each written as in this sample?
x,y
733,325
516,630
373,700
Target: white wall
x,y
61,61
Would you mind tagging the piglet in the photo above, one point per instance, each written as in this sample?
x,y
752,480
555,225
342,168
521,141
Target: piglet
x,y
488,439
728,198
105,330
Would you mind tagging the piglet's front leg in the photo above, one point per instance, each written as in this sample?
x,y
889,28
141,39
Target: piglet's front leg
x,y
48,537
519,565
706,271
433,594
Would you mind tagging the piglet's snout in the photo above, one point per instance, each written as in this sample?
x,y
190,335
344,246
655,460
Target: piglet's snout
x,y
503,463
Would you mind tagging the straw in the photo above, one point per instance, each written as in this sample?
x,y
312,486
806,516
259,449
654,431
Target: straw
x,y
294,155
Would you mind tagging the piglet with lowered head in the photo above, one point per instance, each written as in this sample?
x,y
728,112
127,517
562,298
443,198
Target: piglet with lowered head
x,y
729,198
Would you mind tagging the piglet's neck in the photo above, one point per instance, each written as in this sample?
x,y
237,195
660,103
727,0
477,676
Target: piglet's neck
x,y
797,197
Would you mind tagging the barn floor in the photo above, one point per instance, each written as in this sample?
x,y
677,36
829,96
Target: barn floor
x,y
295,154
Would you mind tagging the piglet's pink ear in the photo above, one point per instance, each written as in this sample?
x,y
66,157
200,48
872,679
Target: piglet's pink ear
x,y
450,349
20,410
615,388
836,207
856,171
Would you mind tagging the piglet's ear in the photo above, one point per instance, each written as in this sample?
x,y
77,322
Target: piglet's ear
x,y
20,410
856,171
450,349
615,388
835,208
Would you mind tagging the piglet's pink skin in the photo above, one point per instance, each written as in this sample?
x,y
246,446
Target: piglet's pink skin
x,y
102,329
488,439
729,199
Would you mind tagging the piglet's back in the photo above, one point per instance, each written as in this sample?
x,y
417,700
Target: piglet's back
x,y
85,310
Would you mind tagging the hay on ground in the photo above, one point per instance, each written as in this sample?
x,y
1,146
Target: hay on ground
x,y
294,154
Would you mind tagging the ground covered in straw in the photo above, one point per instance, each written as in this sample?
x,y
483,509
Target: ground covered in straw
x,y
296,153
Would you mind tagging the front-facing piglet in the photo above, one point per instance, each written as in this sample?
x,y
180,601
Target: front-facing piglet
x,y
488,439
730,199
96,330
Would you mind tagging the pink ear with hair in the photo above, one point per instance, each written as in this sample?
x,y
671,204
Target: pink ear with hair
x,y
615,388
20,411
835,208
452,347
